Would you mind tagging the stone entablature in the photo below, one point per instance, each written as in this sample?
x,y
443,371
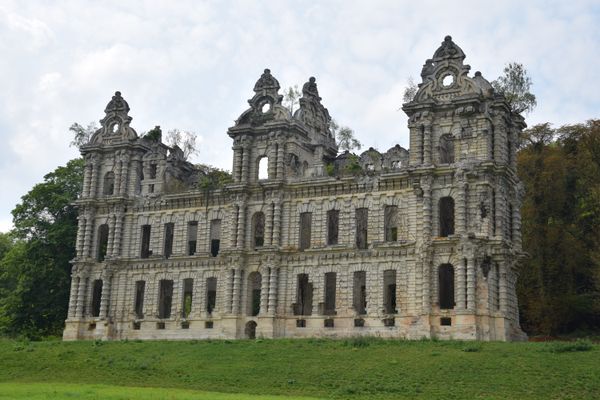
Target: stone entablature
x,y
420,243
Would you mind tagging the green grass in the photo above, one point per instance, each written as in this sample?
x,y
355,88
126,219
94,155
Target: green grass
x,y
345,369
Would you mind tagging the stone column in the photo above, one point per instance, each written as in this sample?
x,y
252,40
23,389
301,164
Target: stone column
x,y
111,235
229,291
104,301
427,145
73,297
427,222
117,237
276,224
272,303
246,164
87,178
264,291
280,160
241,226
459,278
80,235
269,225
118,172
461,202
426,286
80,298
237,163
234,225
318,291
503,295
471,284
235,298
124,175
89,235
93,190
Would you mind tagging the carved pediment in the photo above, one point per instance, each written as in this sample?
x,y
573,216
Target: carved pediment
x,y
115,125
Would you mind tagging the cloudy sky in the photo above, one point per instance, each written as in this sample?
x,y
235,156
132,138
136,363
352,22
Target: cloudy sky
x,y
192,65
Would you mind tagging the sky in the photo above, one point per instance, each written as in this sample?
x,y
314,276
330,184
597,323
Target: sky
x,y
191,65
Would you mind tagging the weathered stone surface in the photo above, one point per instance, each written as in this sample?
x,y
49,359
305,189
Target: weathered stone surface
x,y
440,225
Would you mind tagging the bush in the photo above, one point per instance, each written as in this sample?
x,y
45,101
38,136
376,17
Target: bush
x,y
567,347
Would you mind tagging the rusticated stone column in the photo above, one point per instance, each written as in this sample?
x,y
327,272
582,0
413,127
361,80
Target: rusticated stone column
x,y
80,298
241,227
237,286
264,291
269,225
104,300
461,273
73,297
427,145
272,306
124,175
276,223
471,284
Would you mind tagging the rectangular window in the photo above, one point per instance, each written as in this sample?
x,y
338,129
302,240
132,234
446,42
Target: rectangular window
x,y
169,231
140,288
391,223
215,237
165,298
305,230
96,297
389,291
152,171
188,288
333,222
192,235
360,292
145,253
211,294
330,280
304,296
362,221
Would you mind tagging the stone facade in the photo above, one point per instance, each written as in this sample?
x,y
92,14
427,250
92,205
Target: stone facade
x,y
396,244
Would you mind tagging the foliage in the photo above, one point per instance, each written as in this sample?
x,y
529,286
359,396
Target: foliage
x,y
515,85
291,98
373,368
344,136
82,135
353,166
213,178
185,140
568,347
410,90
559,284
154,134
35,271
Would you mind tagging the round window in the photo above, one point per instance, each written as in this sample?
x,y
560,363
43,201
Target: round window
x,y
448,80
266,107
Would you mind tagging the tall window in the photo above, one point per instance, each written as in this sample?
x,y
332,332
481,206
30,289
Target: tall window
x,y
333,223
446,216
192,234
102,242
96,297
391,223
362,221
188,290
145,250
140,288
258,229
446,149
263,168
109,183
305,230
303,305
389,291
215,237
360,292
254,290
165,298
169,230
446,286
211,294
152,171
330,278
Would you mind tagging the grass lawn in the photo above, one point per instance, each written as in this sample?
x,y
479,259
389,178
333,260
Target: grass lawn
x,y
345,369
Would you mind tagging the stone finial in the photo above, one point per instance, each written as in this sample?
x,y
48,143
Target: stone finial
x,y
309,89
266,82
448,50
116,104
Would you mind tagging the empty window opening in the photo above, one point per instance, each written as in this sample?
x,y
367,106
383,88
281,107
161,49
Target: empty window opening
x,y
160,325
208,324
185,325
330,284
258,229
140,288
333,223
215,237
211,294
138,180
92,326
151,188
169,231
250,330
510,222
192,234
446,209
254,290
446,149
446,286
152,171
391,223
328,323
362,222
360,292
359,322
188,290
137,326
263,168
300,323
446,321
102,242
389,322
304,294
145,251
389,291
305,230
109,183
96,297
165,298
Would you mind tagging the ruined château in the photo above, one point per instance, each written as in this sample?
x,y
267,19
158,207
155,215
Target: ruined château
x,y
404,244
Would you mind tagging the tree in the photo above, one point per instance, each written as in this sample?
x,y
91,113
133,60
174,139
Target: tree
x,y
81,135
291,97
154,134
410,90
515,85
344,136
185,140
35,272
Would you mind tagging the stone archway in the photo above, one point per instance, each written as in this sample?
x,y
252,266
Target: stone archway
x,y
250,330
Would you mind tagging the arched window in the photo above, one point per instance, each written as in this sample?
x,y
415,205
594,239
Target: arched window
x,y
446,210
102,242
254,289
263,168
446,149
109,183
446,286
258,229
96,297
